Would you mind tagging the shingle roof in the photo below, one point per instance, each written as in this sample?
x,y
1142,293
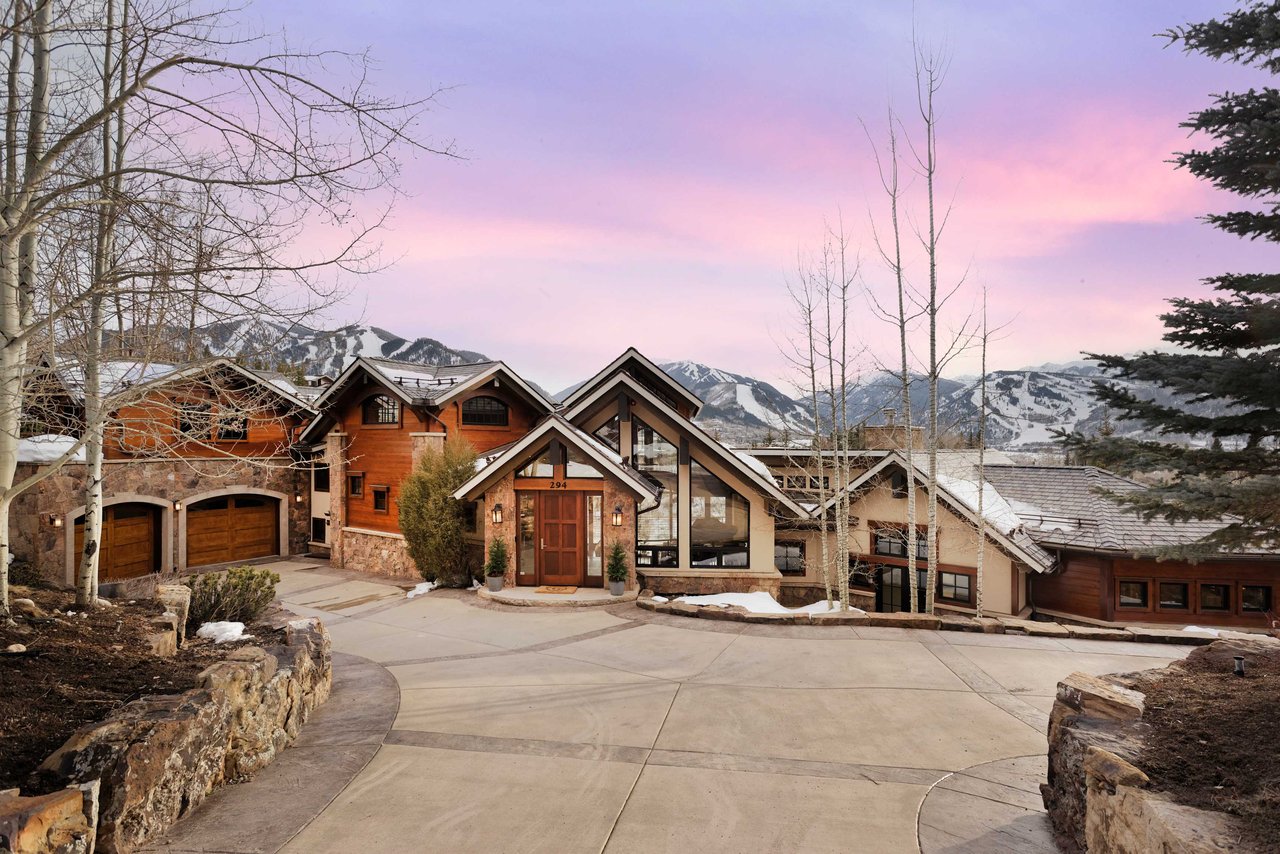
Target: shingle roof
x,y
1065,507
425,384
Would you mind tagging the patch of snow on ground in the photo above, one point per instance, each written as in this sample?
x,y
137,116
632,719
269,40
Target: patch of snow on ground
x,y
1208,631
223,631
757,603
422,589
475,584
660,599
820,607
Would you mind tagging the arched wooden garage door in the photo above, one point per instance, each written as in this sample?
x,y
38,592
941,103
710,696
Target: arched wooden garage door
x,y
233,527
130,541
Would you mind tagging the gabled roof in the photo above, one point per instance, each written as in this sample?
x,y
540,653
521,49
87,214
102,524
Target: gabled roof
x,y
751,470
602,455
426,385
960,494
118,375
1064,507
648,369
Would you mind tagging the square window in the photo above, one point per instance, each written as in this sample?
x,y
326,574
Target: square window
x,y
1215,597
1175,595
381,499
355,485
954,586
319,477
788,558
1134,594
318,526
1255,598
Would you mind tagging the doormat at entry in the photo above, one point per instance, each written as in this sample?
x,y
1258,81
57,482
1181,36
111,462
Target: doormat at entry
x,y
552,588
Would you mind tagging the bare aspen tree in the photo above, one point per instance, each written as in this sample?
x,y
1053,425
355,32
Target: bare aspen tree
x,y
245,129
982,472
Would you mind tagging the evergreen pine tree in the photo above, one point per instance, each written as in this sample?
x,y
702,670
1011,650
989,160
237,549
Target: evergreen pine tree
x,y
1230,343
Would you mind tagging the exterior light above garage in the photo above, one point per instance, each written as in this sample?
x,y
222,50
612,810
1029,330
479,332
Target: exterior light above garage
x,y
497,514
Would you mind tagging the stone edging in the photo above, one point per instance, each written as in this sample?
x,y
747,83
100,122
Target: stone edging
x,y
488,595
1097,798
157,758
945,622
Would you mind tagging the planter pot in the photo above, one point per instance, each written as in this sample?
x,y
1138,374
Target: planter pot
x,y
615,587
494,582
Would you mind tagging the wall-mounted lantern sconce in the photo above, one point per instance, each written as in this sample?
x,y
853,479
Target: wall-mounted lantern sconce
x,y
497,514
297,498
54,519
177,505
617,515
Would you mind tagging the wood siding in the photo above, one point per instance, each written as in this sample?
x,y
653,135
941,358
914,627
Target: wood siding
x,y
520,420
383,453
1075,589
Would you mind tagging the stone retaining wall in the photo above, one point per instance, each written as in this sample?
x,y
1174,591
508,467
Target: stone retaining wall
x,y
1097,797
159,757
377,553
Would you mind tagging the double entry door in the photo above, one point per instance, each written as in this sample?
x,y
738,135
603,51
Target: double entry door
x,y
893,592
556,535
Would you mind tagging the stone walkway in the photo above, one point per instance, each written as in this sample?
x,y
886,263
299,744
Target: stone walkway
x,y
457,725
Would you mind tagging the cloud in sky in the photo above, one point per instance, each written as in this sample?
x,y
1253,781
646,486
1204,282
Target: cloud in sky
x,y
646,173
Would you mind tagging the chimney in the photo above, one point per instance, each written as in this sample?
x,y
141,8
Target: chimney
x,y
889,414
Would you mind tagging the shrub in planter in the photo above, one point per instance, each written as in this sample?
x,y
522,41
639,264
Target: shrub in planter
x,y
495,569
432,521
240,594
616,569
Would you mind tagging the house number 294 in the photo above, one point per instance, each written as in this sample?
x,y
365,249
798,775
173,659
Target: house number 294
x,y
559,484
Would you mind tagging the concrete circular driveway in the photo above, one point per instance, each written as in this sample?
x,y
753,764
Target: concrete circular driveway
x,y
456,726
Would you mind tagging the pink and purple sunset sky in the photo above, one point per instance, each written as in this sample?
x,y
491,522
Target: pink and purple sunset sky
x,y
645,174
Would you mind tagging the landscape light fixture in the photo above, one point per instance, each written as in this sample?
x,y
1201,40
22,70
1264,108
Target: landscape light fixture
x,y
1239,671
497,514
617,515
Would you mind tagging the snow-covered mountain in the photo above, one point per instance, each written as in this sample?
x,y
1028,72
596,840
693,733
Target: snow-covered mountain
x,y
322,351
738,406
1025,406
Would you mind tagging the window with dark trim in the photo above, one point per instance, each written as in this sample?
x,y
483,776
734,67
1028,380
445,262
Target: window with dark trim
x,y
657,529
1131,593
484,411
233,428
317,529
538,466
381,499
898,484
319,477
955,586
1215,597
1174,595
892,542
194,421
1255,598
719,521
355,484
380,409
788,558
610,432
861,574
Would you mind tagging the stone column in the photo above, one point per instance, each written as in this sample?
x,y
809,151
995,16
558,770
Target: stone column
x,y
422,442
335,455
503,492
625,533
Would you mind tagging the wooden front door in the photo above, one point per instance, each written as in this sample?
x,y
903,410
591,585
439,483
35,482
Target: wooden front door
x,y
221,530
560,537
130,541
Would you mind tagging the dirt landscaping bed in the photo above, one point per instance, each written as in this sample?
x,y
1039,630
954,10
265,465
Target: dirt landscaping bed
x,y
1213,736
78,668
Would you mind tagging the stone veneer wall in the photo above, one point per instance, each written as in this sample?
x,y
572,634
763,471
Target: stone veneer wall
x,y
1096,796
159,757
377,553
44,546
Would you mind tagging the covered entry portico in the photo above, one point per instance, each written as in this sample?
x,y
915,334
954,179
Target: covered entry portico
x,y
560,499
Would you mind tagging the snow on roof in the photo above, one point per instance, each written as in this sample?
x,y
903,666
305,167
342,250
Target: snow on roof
x,y
997,511
755,464
115,375
46,448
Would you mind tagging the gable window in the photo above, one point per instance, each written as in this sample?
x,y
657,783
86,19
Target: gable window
x,y
788,558
381,499
578,464
539,466
194,421
892,542
380,409
898,484
610,433
484,411
355,484
955,586
719,521
657,530
233,428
